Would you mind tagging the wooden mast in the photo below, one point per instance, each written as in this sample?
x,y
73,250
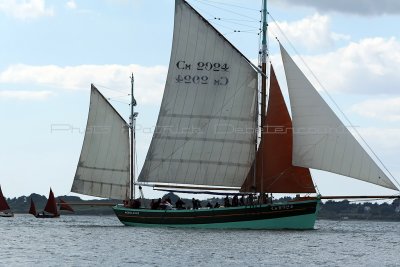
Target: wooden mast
x,y
264,56
132,126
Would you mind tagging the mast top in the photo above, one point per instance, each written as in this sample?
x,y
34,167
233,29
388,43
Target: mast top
x,y
264,49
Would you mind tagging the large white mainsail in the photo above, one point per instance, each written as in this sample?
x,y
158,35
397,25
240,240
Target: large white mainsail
x,y
205,129
321,140
103,168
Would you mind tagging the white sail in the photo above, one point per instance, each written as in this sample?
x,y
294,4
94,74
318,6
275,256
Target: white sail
x,y
321,140
103,168
205,129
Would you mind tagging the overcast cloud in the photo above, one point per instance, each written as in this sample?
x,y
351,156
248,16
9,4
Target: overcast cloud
x,y
387,109
313,32
359,7
369,66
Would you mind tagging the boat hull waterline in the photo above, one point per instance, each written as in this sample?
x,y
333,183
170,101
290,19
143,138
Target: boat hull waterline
x,y
46,216
286,215
6,214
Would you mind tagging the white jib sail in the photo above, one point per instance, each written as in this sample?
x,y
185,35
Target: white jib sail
x,y
321,140
205,129
103,168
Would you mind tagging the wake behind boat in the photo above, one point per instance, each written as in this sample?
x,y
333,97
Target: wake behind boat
x,y
5,210
206,138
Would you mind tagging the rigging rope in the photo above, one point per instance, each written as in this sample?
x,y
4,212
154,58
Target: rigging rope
x,y
225,4
333,101
237,23
108,88
227,10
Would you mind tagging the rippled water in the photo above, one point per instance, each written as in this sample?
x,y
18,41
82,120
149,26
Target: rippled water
x,y
93,240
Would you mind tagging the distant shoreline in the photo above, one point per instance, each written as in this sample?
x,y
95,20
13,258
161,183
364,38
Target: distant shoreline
x,y
330,210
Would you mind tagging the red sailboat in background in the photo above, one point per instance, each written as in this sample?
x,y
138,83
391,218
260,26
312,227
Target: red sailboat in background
x,y
50,210
64,206
5,210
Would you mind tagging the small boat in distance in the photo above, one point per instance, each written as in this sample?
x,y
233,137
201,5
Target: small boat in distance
x,y
32,209
5,210
64,206
50,210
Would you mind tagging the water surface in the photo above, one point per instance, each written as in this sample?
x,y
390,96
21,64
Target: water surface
x,y
95,240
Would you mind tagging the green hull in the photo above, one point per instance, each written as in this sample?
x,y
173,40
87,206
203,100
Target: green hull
x,y
294,215
302,222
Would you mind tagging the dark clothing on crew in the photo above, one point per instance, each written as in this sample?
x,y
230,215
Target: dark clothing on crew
x,y
135,203
241,201
155,204
198,203
227,202
168,200
235,201
264,199
194,203
250,200
209,205
179,204
216,205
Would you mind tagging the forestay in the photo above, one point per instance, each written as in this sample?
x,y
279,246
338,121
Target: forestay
x,y
321,140
103,168
205,129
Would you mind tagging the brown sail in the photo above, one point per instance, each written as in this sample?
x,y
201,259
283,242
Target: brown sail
x,y
64,206
3,202
32,209
51,206
274,170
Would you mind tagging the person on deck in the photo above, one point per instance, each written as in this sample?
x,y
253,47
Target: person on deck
x,y
235,201
209,205
250,200
135,203
157,204
198,203
194,203
264,199
168,200
216,205
241,201
227,203
179,204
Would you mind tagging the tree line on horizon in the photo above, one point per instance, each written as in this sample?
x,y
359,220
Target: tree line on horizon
x,y
335,210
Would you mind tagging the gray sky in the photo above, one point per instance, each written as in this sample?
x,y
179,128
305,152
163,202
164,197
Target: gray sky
x,y
359,7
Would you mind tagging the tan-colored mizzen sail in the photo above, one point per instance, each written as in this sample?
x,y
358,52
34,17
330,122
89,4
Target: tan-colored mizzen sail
x,y
205,129
321,140
103,168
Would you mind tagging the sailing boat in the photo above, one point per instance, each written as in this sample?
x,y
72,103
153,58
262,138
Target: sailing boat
x,y
5,210
205,138
65,206
50,210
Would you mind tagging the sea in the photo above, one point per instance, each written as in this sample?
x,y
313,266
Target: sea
x,y
104,241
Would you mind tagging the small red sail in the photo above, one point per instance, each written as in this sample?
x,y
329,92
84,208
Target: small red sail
x,y
274,170
51,205
32,209
3,202
64,206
